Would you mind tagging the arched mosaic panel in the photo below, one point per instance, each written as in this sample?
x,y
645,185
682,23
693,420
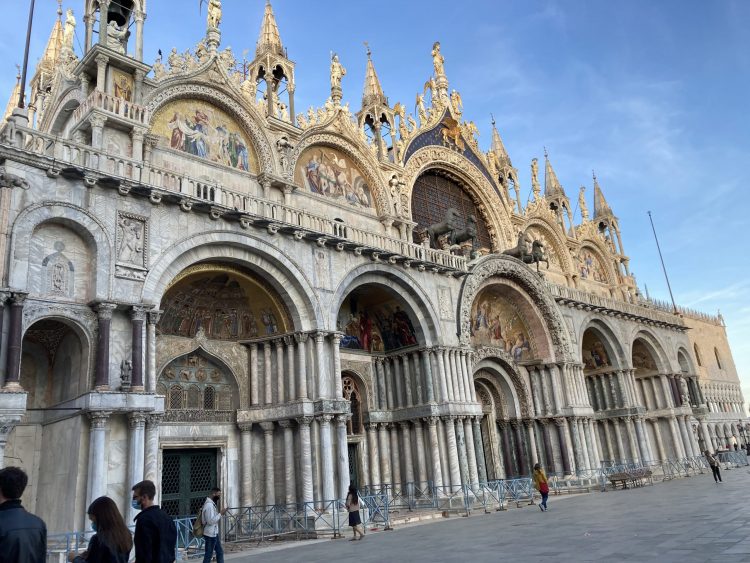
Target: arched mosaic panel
x,y
590,267
496,322
594,354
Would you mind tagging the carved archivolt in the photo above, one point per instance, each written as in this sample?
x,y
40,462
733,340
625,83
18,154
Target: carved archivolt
x,y
502,266
366,165
497,217
519,387
552,234
248,118
600,251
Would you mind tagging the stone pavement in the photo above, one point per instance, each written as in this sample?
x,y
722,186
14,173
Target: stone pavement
x,y
686,520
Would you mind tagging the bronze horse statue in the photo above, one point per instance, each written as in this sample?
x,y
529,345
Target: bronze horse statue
x,y
448,226
533,254
467,233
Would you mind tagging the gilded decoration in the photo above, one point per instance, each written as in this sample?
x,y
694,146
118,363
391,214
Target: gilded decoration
x,y
594,353
222,304
203,130
643,361
123,85
496,322
590,266
328,172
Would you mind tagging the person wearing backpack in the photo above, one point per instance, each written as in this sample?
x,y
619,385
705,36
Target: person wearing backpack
x,y
541,485
714,464
210,516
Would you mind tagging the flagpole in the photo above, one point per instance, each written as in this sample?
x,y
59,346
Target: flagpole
x,y
26,57
663,267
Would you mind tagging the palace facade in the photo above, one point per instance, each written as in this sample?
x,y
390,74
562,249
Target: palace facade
x,y
204,285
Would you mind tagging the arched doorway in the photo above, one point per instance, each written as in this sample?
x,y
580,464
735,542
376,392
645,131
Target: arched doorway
x,y
352,387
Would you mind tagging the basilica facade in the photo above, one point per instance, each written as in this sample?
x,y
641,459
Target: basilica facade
x,y
202,284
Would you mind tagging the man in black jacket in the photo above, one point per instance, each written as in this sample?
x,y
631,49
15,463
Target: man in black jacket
x,y
23,536
155,531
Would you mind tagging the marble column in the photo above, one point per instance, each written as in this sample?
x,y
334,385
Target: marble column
x,y
385,455
707,444
445,374
523,461
618,437
398,383
153,320
471,453
278,346
676,437
15,339
632,439
549,455
254,383
594,461
324,377
267,377
471,394
417,378
337,383
428,381
452,447
290,379
531,440
136,452
563,440
326,453
138,317
97,478
421,458
372,443
407,379
586,462
305,447
290,488
104,313
659,443
463,462
685,436
301,339
395,456
576,444
407,453
246,462
437,470
342,456
380,384
643,441
270,494
479,450
151,453
507,452
390,402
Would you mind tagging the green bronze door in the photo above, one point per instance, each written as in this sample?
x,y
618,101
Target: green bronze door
x,y
186,479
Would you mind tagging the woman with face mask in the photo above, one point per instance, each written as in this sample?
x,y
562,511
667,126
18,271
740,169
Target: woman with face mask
x,y
112,541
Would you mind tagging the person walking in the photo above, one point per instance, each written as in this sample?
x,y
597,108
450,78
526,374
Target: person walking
x,y
353,506
715,467
155,531
112,541
23,536
541,485
211,515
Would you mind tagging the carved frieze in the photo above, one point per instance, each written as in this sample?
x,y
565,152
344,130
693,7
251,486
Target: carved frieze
x,y
131,246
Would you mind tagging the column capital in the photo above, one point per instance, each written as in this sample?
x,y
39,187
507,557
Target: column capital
x,y
544,421
320,336
559,420
153,316
139,312
98,418
101,59
137,419
301,337
285,424
104,310
417,422
288,340
336,337
267,426
18,298
97,120
245,426
304,420
371,426
341,419
405,424
325,418
529,423
155,419
431,420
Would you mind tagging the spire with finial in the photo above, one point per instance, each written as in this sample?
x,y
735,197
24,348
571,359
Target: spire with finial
x,y
269,39
54,43
552,185
373,91
601,207
497,144
13,101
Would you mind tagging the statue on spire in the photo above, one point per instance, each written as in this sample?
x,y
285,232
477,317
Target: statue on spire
x,y
214,14
337,71
536,189
70,29
582,203
438,60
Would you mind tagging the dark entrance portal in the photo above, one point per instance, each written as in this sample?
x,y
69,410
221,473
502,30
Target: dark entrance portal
x,y
186,479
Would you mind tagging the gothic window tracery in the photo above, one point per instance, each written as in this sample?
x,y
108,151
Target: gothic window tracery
x,y
434,194
352,394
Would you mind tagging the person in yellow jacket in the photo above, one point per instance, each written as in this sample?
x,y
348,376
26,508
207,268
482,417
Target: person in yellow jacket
x,y
541,485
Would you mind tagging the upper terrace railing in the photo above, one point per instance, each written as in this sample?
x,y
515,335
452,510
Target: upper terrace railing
x,y
113,105
66,151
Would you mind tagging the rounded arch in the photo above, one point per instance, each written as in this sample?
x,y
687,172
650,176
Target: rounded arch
x,y
503,267
552,235
364,160
231,102
478,186
288,280
427,325
654,347
54,122
72,216
503,380
599,252
601,331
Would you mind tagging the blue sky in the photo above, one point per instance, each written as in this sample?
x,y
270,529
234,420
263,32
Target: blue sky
x,y
652,95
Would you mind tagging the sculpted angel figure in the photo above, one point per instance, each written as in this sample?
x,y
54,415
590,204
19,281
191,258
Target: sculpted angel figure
x,y
421,111
457,102
437,59
400,110
176,61
249,88
116,37
214,13
535,177
70,29
582,203
337,71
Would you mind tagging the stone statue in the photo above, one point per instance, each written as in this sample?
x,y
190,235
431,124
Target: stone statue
x,y
337,71
130,240
395,185
116,37
437,60
284,148
70,29
126,374
214,14
249,88
456,103
684,392
158,68
582,204
176,61
421,111
535,178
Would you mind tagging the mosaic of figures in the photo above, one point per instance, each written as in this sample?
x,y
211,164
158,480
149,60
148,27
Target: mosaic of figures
x,y
328,172
593,353
123,85
224,306
549,249
200,129
195,381
374,321
643,361
590,267
496,322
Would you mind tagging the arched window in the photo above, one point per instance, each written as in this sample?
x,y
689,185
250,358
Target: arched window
x,y
209,398
434,194
176,397
194,397
718,361
697,355
354,424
